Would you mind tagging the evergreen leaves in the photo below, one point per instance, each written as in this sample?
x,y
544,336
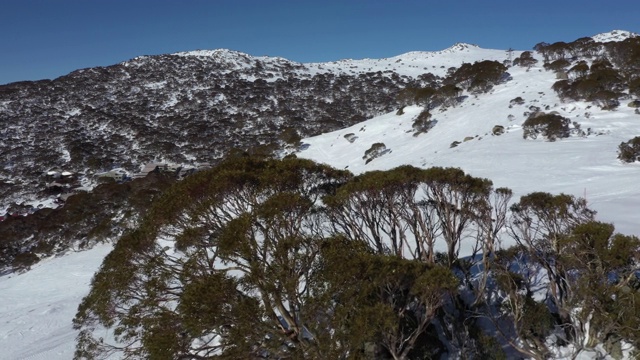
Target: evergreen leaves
x,y
262,258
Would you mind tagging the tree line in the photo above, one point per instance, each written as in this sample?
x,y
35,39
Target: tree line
x,y
290,259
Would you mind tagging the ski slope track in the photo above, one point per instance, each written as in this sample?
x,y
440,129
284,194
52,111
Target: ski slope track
x,y
37,307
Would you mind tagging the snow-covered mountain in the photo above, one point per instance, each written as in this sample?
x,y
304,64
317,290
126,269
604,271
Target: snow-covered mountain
x,y
614,35
190,108
585,166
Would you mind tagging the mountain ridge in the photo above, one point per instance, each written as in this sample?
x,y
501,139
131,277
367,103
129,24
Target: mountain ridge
x,y
486,125
191,108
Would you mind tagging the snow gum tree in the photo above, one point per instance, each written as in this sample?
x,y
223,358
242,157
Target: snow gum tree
x,y
404,211
603,283
289,259
239,262
246,229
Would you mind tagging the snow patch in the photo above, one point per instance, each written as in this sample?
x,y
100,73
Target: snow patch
x,y
614,35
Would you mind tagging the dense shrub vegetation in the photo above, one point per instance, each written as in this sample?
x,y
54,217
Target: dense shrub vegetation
x,y
478,77
262,258
549,126
375,151
85,219
629,151
613,71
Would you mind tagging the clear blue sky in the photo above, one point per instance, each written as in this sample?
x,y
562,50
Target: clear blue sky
x,y
49,38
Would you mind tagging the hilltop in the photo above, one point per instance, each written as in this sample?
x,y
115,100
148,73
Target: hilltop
x,y
463,107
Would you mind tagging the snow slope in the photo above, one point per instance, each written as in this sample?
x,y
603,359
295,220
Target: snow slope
x,y
582,166
36,307
412,64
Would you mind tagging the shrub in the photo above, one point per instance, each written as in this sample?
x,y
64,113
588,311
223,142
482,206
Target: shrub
x,y
479,76
24,260
423,123
579,70
634,87
630,151
606,99
416,96
351,137
376,150
516,101
448,94
290,136
557,65
550,126
525,60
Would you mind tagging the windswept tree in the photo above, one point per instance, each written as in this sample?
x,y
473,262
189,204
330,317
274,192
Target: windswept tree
x,y
603,284
539,223
629,151
525,59
383,305
405,211
246,235
478,77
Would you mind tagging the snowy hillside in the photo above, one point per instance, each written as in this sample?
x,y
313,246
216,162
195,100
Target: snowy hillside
x,y
614,35
37,306
412,64
582,166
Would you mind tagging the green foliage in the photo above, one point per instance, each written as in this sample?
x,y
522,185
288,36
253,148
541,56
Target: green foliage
x,y
549,126
607,265
247,213
290,136
525,59
375,151
537,321
423,123
557,65
291,259
426,96
478,77
378,296
629,151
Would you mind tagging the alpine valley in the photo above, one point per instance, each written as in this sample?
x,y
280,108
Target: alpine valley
x,y
125,153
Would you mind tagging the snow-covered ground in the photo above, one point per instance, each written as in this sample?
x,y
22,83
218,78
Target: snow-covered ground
x,y
36,307
582,166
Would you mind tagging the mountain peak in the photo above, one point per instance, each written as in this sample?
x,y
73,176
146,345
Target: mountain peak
x,y
614,35
217,53
460,47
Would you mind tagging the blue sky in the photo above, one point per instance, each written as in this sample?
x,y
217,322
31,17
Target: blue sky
x,y
46,38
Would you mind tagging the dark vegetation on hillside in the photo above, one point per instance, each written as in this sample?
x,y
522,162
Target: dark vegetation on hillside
x,y
186,110
261,258
181,109
244,262
591,71
629,151
86,218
